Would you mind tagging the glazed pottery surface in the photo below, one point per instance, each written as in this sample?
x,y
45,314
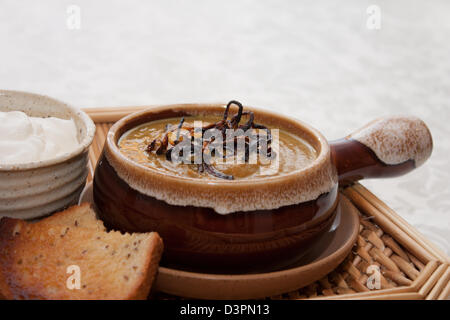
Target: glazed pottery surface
x,y
273,223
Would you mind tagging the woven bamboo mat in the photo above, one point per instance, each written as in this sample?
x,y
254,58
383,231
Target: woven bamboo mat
x,y
410,267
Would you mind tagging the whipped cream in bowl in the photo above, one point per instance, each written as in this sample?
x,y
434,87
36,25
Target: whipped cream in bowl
x,y
44,146
25,139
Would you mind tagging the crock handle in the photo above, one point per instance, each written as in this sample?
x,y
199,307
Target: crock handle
x,y
386,147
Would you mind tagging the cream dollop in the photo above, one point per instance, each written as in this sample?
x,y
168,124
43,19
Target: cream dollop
x,y
25,139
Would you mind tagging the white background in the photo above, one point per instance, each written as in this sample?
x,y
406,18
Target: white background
x,y
313,60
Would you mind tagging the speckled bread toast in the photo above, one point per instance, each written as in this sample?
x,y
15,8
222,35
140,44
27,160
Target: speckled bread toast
x,y
78,216
35,258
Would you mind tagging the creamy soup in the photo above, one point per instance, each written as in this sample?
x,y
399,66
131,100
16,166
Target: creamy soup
x,y
293,153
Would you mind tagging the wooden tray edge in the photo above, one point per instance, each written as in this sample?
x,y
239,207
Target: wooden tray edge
x,y
401,223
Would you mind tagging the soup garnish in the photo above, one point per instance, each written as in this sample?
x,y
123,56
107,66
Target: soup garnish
x,y
166,145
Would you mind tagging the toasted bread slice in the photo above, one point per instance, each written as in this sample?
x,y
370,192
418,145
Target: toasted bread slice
x,y
77,216
41,260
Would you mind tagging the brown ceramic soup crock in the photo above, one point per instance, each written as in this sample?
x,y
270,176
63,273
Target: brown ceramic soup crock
x,y
232,226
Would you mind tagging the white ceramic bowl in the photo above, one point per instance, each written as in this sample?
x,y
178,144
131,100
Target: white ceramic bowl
x,y
36,189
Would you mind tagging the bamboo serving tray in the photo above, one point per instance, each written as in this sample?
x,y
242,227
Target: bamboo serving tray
x,y
411,266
